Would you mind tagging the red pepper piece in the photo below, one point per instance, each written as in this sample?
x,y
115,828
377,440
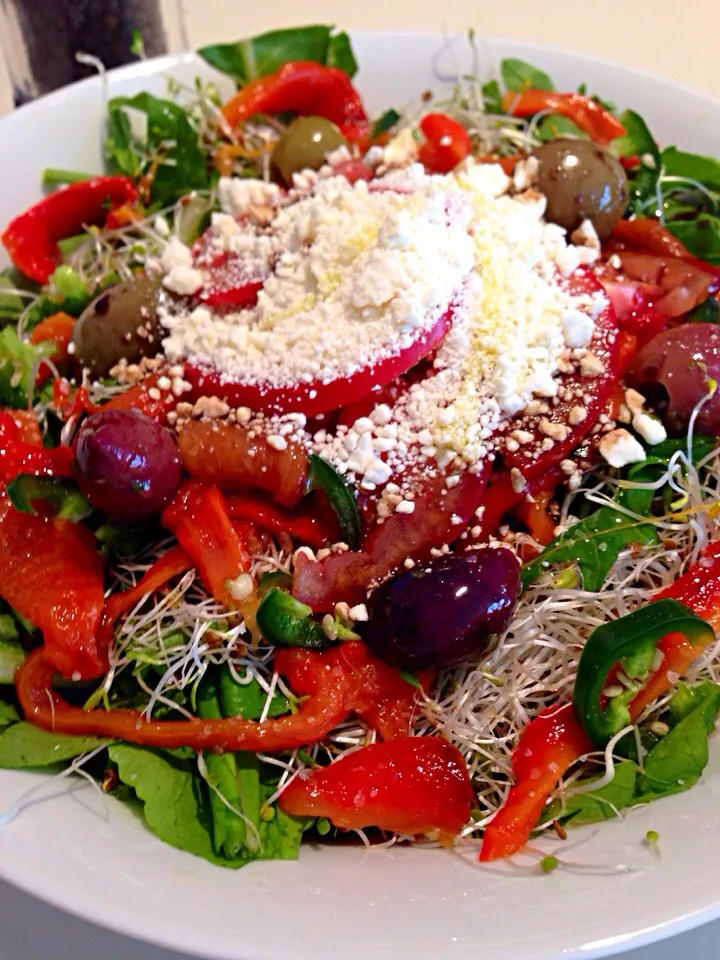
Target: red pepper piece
x,y
28,427
146,397
306,529
649,236
32,238
554,739
447,143
199,518
58,329
51,573
627,348
590,117
417,785
331,681
306,88
17,456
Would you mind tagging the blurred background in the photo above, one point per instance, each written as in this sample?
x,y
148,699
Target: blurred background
x,y
665,37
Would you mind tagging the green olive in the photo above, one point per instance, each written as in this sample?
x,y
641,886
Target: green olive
x,y
581,182
305,145
119,324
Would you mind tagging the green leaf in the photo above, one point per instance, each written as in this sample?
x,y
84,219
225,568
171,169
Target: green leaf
x,y
259,56
700,236
706,170
11,305
247,700
17,360
555,125
600,804
386,121
518,75
12,656
8,714
340,54
121,155
23,745
169,135
638,140
492,97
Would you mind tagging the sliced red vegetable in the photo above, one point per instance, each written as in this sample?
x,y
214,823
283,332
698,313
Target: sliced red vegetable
x,y
334,683
447,143
51,573
672,286
589,116
199,518
649,236
318,396
32,238
306,88
417,785
439,516
27,425
306,529
627,348
57,329
554,739
228,455
146,397
18,456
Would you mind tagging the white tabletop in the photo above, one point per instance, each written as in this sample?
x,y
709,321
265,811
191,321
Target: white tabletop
x,y
665,37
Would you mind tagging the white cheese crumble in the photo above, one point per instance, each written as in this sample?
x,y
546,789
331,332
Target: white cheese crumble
x,y
620,448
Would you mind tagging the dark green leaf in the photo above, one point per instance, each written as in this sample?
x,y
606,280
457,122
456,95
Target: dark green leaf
x,y
518,75
492,97
638,140
689,697
706,312
169,135
258,56
23,745
121,155
384,122
8,714
700,236
705,170
247,700
600,804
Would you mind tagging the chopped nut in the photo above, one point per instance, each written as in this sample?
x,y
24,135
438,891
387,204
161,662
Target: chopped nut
x,y
556,431
591,366
517,480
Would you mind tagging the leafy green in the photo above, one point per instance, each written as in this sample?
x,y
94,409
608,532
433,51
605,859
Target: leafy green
x,y
600,804
706,312
555,125
518,75
247,700
8,714
259,56
23,745
11,657
701,236
169,132
638,140
17,360
386,121
492,97
694,166
11,305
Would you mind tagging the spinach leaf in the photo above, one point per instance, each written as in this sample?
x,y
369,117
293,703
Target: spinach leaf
x,y
600,804
258,56
694,166
386,121
638,140
247,700
8,714
701,236
517,75
492,97
17,360
555,125
169,135
23,745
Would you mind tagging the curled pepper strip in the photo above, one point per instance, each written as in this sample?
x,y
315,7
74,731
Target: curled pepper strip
x,y
588,115
336,683
556,739
32,238
305,88
17,456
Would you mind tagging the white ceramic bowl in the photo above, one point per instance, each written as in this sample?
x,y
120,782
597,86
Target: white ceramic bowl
x,y
87,854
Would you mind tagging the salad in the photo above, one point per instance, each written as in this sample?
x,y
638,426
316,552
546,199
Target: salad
x,y
360,474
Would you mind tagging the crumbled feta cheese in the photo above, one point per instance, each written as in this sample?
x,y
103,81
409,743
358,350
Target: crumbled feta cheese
x,y
649,428
578,328
359,613
184,280
620,448
405,506
237,195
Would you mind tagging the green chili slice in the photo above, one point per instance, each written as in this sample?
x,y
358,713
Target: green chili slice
x,y
630,643
286,622
65,498
321,476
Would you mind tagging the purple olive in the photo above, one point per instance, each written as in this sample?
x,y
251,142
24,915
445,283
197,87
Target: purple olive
x,y
445,611
126,464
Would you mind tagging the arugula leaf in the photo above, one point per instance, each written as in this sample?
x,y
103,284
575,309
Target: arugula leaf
x,y
259,56
638,140
518,75
600,804
169,131
23,745
8,714
17,360
694,166
700,236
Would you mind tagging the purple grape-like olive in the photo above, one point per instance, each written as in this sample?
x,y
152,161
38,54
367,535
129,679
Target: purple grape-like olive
x,y
126,464
445,611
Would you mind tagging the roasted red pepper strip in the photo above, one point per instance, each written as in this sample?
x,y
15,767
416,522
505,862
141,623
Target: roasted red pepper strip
x,y
416,785
336,683
555,739
588,115
32,238
17,456
306,88
650,236
447,143
146,397
199,518
51,573
269,517
57,329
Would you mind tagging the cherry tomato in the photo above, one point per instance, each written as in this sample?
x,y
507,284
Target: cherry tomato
x,y
447,143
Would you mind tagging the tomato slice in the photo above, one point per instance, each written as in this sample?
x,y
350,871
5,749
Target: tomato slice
x,y
440,515
417,785
316,397
671,285
591,393
232,281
